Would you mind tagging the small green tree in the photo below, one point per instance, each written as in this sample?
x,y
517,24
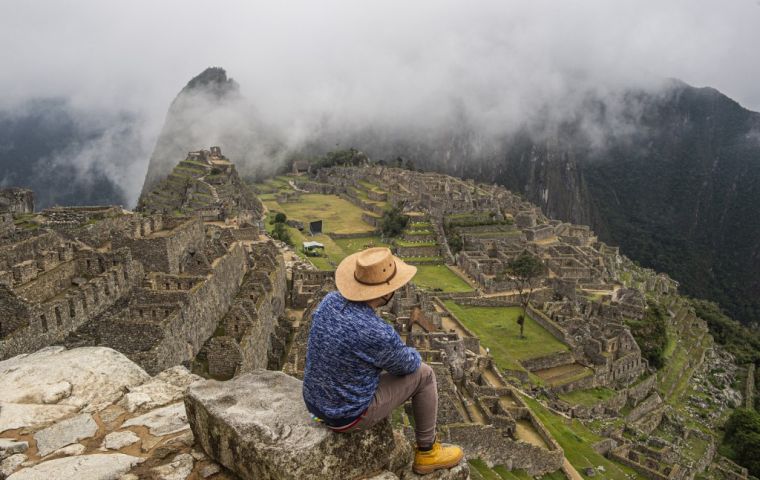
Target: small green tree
x,y
526,270
280,218
455,243
281,233
743,436
393,221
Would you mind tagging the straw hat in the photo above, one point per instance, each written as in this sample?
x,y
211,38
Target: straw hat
x,y
371,273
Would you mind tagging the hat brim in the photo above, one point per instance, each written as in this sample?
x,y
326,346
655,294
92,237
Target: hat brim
x,y
353,290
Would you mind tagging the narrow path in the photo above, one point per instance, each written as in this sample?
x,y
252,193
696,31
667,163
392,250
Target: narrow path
x,y
210,187
569,470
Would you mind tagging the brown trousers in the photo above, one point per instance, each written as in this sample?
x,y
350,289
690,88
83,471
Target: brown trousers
x,y
393,391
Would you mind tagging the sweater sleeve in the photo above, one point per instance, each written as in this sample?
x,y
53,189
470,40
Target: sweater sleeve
x,y
392,355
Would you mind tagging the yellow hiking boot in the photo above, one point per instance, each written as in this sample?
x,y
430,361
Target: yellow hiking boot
x,y
438,457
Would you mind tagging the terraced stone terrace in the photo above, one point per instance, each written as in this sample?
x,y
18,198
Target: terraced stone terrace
x,y
563,374
543,361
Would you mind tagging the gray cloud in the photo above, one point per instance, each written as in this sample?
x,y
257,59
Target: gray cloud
x,y
393,64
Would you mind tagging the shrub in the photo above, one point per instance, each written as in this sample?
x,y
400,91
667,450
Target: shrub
x,y
280,217
651,335
393,221
281,233
743,436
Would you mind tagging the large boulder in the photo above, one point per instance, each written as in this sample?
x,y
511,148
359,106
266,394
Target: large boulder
x,y
257,426
52,383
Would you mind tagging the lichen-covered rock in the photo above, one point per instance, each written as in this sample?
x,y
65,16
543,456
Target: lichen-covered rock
x,y
178,469
53,383
162,421
167,387
64,433
85,467
460,472
257,426
117,440
9,446
10,464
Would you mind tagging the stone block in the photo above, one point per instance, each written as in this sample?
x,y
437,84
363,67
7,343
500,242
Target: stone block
x,y
10,447
257,426
64,433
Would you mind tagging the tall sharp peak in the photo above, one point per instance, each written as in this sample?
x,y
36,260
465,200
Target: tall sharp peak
x,y
212,80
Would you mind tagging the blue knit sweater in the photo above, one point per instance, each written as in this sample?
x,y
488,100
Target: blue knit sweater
x,y
349,345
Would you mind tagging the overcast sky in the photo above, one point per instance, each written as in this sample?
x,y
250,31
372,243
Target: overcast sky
x,y
140,53
365,60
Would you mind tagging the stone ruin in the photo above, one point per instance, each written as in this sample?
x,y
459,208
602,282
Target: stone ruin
x,y
154,286
191,279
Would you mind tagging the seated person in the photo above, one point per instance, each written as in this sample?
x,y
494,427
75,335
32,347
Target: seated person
x,y
357,367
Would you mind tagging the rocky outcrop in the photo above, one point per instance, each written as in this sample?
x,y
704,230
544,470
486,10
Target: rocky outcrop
x,y
257,426
53,383
85,467
91,413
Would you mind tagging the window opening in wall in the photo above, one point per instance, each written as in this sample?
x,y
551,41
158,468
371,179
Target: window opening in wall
x,y
58,319
43,320
72,308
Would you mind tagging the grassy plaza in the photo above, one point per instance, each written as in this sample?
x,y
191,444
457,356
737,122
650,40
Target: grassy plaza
x,y
498,330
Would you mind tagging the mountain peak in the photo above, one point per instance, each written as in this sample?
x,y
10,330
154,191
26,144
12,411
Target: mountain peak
x,y
212,80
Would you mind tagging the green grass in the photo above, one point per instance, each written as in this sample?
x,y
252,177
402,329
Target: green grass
x,y
338,215
421,233
335,250
589,397
497,329
371,186
404,243
430,277
420,225
423,259
576,441
353,245
480,471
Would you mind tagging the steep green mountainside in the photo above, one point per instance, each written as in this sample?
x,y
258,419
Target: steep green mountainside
x,y
677,186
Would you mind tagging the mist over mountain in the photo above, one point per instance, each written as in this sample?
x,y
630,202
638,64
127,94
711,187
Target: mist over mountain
x,y
210,110
669,172
67,155
677,189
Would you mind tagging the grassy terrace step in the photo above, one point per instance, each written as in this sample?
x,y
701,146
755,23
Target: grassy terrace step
x,y
371,186
480,471
576,441
588,397
423,260
440,278
404,243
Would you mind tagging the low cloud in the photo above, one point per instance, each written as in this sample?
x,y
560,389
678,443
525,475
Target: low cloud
x,y
332,71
